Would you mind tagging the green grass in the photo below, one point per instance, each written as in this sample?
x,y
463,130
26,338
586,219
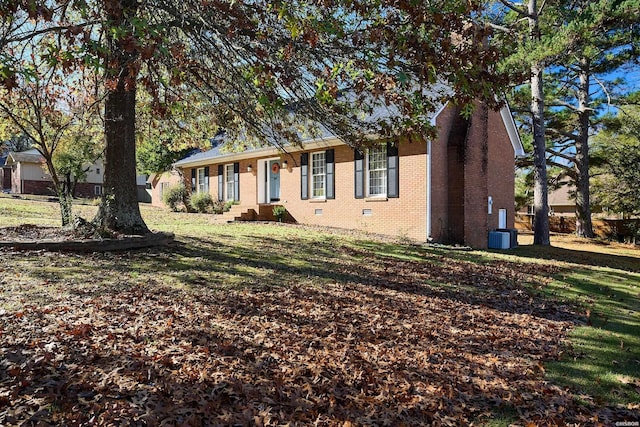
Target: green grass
x,y
602,282
599,282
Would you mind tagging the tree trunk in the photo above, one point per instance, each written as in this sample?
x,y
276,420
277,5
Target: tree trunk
x,y
66,203
66,207
584,228
540,184
119,210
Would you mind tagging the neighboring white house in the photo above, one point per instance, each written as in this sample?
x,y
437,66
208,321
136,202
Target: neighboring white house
x,y
29,175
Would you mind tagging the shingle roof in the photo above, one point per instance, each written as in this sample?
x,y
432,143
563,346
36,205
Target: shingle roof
x,y
380,112
30,156
216,143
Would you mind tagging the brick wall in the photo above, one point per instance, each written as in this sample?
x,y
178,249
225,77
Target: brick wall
x,y
87,189
5,178
501,171
170,179
476,169
43,188
462,179
440,170
464,176
404,216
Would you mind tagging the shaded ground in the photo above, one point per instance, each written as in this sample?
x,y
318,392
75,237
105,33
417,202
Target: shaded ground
x,y
269,325
154,338
29,232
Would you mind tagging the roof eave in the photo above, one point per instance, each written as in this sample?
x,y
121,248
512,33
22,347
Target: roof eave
x,y
261,152
512,131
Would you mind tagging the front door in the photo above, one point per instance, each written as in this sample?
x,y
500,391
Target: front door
x,y
274,180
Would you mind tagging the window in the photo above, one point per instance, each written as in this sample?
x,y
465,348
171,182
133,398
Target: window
x,y
98,171
164,186
201,183
318,175
377,171
230,182
97,190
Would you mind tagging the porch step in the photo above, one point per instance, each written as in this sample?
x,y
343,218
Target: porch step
x,y
236,213
246,213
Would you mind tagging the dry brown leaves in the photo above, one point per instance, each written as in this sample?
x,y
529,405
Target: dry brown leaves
x,y
388,349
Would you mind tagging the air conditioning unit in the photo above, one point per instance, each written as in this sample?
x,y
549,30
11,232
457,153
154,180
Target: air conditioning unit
x,y
514,236
499,240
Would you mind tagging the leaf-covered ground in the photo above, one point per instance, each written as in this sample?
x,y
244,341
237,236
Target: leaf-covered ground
x,y
276,325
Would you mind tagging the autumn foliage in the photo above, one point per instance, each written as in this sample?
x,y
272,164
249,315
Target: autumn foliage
x,y
155,339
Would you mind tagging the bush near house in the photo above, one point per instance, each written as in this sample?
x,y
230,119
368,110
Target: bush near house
x,y
174,196
220,207
201,202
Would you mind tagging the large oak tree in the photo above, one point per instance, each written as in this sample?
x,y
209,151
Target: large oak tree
x,y
269,69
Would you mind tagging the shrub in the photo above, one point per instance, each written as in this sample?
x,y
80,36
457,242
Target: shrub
x,y
174,196
279,212
227,206
220,207
201,202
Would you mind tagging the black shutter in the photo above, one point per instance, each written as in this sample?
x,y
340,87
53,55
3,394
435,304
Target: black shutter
x,y
206,179
304,176
359,173
236,181
193,180
331,176
393,178
220,182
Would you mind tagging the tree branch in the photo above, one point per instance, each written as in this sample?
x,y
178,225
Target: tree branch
x,y
514,8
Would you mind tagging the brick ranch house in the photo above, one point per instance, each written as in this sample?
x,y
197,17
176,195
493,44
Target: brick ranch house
x,y
29,176
452,189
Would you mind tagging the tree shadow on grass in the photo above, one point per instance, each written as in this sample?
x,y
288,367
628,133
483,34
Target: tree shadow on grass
x,y
304,332
586,258
154,355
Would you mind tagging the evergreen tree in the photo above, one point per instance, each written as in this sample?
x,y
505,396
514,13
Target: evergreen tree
x,y
603,37
616,181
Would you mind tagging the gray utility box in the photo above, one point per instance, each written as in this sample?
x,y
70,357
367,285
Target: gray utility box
x,y
499,240
513,236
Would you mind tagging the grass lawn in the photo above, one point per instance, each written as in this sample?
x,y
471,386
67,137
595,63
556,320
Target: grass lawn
x,y
268,324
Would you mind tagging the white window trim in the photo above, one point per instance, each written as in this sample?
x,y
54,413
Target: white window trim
x,y
229,196
367,176
163,187
324,176
200,183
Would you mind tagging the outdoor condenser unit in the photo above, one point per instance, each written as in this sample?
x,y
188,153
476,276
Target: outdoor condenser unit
x,y
499,240
514,236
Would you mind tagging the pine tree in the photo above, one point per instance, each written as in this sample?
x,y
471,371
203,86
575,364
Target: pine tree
x,y
603,37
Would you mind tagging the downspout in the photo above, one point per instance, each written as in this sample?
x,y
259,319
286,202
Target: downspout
x,y
429,201
429,190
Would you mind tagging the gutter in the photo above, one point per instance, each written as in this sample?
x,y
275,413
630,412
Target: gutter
x,y
260,152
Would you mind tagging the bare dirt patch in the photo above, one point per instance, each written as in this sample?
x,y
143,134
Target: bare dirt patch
x,y
79,239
